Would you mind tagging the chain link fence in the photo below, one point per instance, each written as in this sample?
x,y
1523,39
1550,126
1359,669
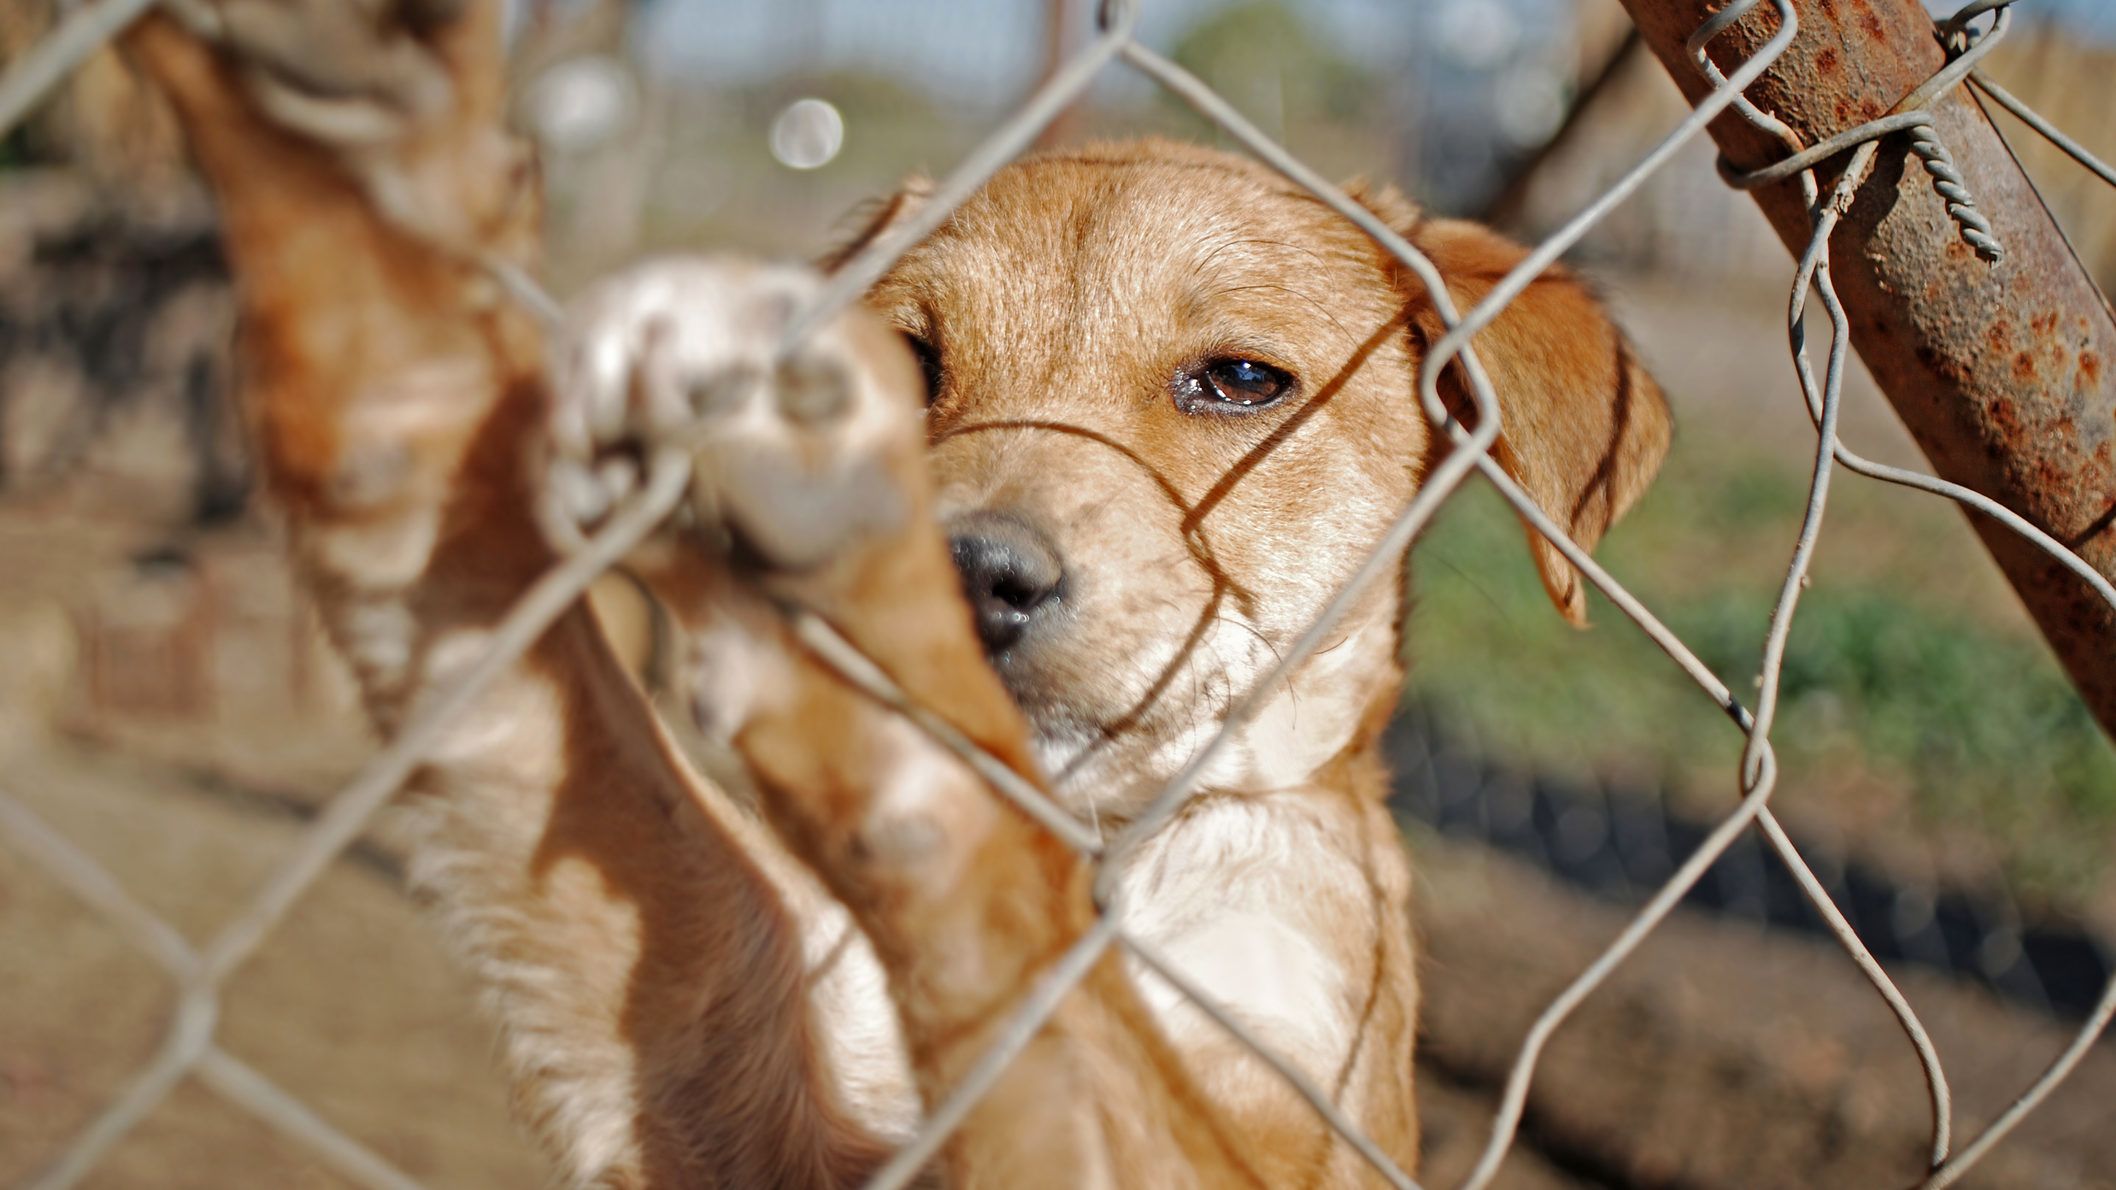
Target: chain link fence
x,y
190,1049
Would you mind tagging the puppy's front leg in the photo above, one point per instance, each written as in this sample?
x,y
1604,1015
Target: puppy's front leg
x,y
621,918
811,495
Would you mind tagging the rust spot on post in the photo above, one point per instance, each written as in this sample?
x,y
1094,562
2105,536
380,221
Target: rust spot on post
x,y
1935,324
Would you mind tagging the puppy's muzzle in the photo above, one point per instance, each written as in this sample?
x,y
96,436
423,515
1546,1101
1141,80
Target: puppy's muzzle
x,y
1012,575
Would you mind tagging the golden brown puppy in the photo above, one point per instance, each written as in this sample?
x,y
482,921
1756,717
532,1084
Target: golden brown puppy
x,y
1171,410
1170,406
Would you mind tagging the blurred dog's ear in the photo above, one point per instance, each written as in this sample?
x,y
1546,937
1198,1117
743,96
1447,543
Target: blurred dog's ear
x,y
871,220
1582,427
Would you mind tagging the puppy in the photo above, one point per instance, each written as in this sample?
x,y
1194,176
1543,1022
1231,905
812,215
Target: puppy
x,y
1171,409
1167,406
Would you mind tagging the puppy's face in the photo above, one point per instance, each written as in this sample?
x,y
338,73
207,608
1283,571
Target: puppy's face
x,y
1172,409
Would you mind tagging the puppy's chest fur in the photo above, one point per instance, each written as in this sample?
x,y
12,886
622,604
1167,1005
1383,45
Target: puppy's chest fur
x,y
1248,898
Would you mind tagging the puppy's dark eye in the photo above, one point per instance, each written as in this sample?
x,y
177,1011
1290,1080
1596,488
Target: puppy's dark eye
x,y
928,363
1230,386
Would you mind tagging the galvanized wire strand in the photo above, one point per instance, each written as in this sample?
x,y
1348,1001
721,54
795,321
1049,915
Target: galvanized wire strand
x,y
2044,128
1956,24
1756,763
1947,1171
1814,268
81,31
1807,159
828,645
1909,116
1758,779
1715,688
350,810
1969,498
559,589
1031,1011
1947,181
857,275
161,941
1959,65
190,1033
1302,1085
525,290
238,1083
1925,142
1648,918
148,932
1796,571
95,886
2030,1099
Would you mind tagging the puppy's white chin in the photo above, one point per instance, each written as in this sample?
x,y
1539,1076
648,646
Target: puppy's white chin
x,y
1053,754
1087,776
1064,752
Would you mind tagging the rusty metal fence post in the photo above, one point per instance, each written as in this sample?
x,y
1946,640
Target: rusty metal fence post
x,y
2004,372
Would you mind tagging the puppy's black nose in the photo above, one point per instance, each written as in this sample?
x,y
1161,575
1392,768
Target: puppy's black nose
x,y
1011,574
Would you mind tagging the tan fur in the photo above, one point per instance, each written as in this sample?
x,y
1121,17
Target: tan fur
x,y
691,998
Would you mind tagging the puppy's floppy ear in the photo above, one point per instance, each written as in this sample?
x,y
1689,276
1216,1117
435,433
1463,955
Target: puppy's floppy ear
x,y
1582,427
871,220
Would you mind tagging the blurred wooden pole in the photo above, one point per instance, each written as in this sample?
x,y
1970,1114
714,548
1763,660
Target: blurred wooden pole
x,y
1061,21
1504,209
2004,373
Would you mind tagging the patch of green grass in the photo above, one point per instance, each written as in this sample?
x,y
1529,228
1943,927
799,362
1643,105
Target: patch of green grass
x,y
1933,689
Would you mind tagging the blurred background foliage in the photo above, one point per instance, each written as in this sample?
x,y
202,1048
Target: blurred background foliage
x,y
1904,707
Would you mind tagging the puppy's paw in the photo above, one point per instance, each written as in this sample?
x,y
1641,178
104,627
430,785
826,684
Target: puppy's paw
x,y
349,73
797,453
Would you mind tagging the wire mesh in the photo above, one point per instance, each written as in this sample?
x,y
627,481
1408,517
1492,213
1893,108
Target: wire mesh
x,y
189,1049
